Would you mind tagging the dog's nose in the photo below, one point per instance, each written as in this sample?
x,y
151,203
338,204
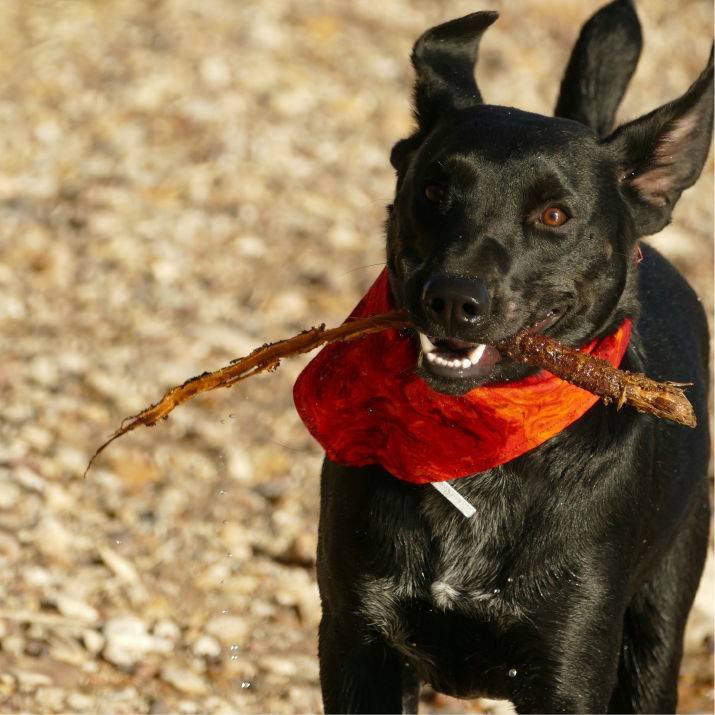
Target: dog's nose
x,y
455,302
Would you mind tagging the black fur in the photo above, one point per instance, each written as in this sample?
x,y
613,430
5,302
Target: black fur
x,y
569,589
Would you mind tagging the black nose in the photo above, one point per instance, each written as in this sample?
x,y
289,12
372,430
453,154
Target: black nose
x,y
455,302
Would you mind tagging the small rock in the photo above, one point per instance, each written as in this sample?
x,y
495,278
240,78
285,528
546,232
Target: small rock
x,y
49,699
14,643
228,629
27,681
26,478
167,630
278,666
207,646
9,494
128,641
185,681
80,702
93,641
124,570
77,609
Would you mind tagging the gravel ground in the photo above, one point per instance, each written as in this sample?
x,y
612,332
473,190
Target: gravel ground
x,y
180,182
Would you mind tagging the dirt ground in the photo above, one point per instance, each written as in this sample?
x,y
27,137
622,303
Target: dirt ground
x,y
180,182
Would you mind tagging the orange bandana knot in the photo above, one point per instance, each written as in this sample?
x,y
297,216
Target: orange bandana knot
x,y
365,404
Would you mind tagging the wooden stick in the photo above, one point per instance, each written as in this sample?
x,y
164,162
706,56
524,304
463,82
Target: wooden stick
x,y
585,371
265,358
662,399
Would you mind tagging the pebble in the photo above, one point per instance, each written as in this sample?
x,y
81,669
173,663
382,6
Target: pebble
x,y
207,646
79,702
128,641
123,569
167,630
184,680
77,609
28,479
9,494
28,681
13,643
93,641
228,629
50,699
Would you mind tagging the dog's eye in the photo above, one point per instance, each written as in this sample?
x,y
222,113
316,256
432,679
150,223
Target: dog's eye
x,y
554,217
435,193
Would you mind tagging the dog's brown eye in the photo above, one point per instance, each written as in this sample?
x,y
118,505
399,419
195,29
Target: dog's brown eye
x,y
435,193
554,217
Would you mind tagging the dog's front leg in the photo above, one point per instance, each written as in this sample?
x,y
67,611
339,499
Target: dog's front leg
x,y
362,677
574,668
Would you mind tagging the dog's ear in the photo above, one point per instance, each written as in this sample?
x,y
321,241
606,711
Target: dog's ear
x,y
444,59
663,153
603,61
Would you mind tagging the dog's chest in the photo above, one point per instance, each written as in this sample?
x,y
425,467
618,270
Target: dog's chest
x,y
444,568
449,607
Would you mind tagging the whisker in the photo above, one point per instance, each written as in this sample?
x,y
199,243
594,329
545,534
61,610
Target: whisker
x,y
359,268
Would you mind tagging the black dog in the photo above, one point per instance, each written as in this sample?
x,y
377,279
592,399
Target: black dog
x,y
569,589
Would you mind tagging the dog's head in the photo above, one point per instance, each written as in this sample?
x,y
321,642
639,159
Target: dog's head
x,y
504,219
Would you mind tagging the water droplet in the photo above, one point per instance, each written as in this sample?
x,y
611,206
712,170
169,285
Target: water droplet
x,y
232,417
119,542
229,555
245,398
223,491
225,521
234,647
510,580
224,611
512,673
233,657
245,685
496,590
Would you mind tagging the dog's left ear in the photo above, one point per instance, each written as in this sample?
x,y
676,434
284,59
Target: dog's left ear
x,y
601,65
444,59
662,153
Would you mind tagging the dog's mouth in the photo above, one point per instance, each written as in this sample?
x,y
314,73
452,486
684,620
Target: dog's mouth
x,y
448,357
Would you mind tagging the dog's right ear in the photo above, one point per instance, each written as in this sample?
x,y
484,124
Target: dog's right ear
x,y
444,59
601,65
662,153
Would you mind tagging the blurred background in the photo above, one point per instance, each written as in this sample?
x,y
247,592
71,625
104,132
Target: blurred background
x,y
181,182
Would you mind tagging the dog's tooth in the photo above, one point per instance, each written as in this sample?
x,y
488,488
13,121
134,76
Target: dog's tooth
x,y
476,354
431,357
426,345
466,363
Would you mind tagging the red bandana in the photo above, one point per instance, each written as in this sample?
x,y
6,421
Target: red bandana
x,y
365,404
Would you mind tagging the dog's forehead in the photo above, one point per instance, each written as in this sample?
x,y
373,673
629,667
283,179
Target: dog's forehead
x,y
495,133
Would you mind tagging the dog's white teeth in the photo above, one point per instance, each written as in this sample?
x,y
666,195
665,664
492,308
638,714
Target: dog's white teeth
x,y
466,363
431,357
426,344
476,354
